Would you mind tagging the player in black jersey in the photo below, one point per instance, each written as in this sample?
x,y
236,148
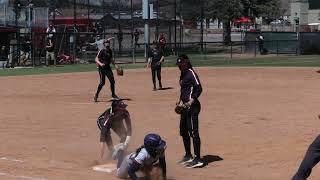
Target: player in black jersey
x,y
190,92
103,61
155,59
113,118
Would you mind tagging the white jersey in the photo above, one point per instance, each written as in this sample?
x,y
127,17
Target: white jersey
x,y
144,158
99,44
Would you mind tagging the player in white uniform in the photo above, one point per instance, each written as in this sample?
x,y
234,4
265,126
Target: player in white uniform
x,y
144,158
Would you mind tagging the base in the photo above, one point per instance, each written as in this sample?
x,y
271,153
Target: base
x,y
108,168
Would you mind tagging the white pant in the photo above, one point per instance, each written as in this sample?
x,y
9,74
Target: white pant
x,y
122,171
3,64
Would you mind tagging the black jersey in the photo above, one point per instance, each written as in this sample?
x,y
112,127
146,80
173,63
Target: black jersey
x,y
190,86
105,56
155,54
107,121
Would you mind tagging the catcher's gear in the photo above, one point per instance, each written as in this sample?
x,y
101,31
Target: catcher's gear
x,y
119,71
179,109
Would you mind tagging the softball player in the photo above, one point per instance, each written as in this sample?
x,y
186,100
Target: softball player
x,y
113,118
155,59
103,60
189,125
145,158
311,158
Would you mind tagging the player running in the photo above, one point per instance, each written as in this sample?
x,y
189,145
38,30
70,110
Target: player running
x,y
113,119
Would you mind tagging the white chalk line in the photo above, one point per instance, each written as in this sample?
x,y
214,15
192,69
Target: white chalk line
x,y
11,159
20,177
81,103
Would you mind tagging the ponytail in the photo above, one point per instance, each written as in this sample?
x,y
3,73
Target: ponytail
x,y
138,150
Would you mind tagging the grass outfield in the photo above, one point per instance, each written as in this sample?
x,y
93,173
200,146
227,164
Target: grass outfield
x,y
197,60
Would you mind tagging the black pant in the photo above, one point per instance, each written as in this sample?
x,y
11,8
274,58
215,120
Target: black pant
x,y
103,72
189,128
156,70
311,158
117,127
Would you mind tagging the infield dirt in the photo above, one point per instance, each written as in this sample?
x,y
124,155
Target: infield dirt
x,y
260,121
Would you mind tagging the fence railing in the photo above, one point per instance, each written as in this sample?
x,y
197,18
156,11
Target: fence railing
x,y
73,47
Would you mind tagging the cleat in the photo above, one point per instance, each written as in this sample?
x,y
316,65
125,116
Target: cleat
x,y
195,163
186,159
95,99
115,96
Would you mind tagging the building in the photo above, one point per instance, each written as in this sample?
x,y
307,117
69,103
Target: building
x,y
305,12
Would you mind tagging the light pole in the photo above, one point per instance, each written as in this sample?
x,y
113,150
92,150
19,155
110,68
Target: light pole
x,y
175,26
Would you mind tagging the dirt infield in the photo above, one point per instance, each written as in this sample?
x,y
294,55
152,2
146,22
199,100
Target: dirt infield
x,y
258,120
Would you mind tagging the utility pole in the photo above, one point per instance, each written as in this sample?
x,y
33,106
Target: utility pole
x,y
88,9
132,35
175,26
202,17
74,13
157,26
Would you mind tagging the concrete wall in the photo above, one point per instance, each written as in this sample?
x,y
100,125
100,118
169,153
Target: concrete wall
x,y
314,16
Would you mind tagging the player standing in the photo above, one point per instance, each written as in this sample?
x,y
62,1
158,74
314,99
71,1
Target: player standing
x,y
155,59
103,61
189,125
113,119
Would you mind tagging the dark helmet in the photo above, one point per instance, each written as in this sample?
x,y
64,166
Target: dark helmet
x,y
183,62
118,104
154,144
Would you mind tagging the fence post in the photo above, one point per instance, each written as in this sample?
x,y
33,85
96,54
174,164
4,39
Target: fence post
x,y
277,47
231,49
255,49
205,49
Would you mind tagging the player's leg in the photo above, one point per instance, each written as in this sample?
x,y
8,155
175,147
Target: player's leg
x,y
311,158
193,125
109,142
159,76
153,72
102,76
112,82
185,138
123,166
121,131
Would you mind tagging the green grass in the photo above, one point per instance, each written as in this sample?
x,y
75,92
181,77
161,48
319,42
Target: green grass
x,y
197,60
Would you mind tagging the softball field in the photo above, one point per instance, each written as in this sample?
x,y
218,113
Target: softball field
x,y
255,123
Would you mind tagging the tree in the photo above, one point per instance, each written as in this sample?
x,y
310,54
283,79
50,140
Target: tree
x,y
226,11
229,10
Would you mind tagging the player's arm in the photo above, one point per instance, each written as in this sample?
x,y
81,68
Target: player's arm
x,y
149,58
162,59
129,129
197,88
163,165
98,57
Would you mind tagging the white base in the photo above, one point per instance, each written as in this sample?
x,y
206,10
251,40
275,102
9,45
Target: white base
x,y
108,168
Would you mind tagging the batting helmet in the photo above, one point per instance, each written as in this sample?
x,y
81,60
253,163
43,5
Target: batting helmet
x,y
154,144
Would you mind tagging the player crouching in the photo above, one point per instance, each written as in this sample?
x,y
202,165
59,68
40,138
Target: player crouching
x,y
113,119
144,159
